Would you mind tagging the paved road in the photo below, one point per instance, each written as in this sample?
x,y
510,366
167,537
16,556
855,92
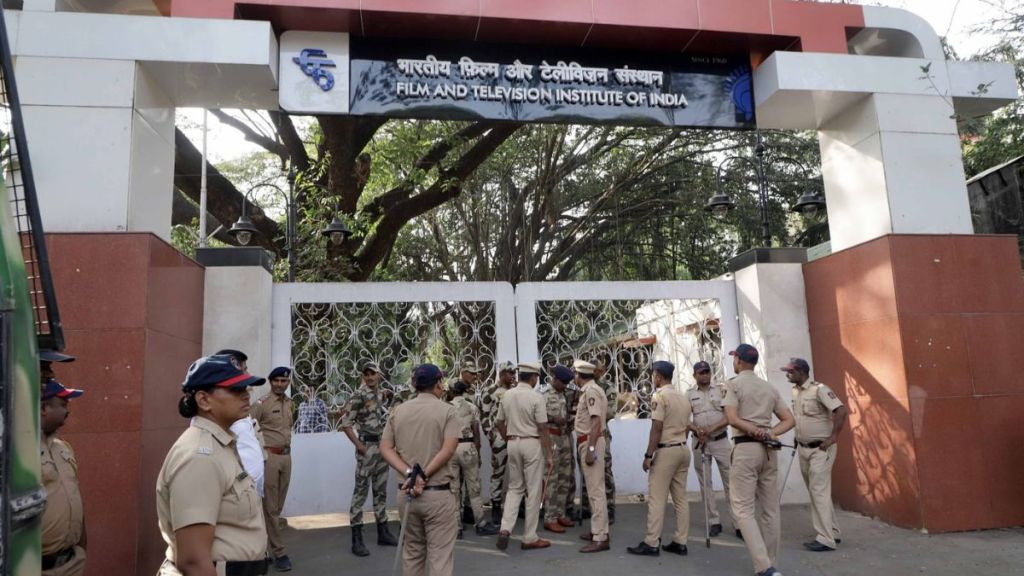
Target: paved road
x,y
318,546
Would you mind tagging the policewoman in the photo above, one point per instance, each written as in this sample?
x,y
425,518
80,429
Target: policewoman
x,y
209,512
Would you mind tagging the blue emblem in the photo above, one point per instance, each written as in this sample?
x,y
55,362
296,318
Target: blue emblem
x,y
313,61
741,90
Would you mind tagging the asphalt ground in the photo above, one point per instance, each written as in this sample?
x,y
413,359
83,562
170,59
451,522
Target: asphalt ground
x,y
320,546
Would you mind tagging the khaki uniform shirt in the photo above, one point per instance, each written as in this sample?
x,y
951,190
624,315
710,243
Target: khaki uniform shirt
x,y
523,410
755,400
63,520
672,409
467,413
706,405
365,410
555,407
813,404
593,402
274,415
418,428
202,482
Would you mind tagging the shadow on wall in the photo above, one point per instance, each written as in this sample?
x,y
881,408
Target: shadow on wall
x,y
880,454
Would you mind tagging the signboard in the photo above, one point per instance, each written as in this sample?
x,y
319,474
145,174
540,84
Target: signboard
x,y
549,84
314,73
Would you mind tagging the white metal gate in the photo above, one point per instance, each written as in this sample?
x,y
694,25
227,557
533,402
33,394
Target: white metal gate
x,y
327,331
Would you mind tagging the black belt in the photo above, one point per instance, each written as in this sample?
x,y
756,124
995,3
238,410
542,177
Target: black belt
x,y
465,440
369,437
722,434
672,445
813,444
745,439
57,559
245,568
445,486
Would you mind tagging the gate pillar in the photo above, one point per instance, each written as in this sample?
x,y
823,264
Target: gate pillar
x,y
237,304
773,318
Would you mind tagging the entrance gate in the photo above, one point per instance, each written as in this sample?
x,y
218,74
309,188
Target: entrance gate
x,y
328,331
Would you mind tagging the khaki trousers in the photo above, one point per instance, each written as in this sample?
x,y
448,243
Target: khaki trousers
x,y
755,501
593,476
73,567
275,489
720,452
466,465
430,529
816,468
668,475
525,475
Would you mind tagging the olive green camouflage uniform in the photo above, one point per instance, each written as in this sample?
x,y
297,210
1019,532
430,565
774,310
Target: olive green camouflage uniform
x,y
571,395
466,461
489,401
365,411
558,478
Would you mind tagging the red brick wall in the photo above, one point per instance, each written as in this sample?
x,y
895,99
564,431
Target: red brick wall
x,y
132,309
918,335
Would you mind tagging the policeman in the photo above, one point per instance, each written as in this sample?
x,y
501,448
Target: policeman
x,y
63,523
589,426
208,510
273,413
466,462
419,440
667,460
709,426
820,417
366,410
749,404
557,487
489,402
612,393
523,422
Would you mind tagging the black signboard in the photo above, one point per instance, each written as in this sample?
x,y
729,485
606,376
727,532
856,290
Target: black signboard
x,y
549,84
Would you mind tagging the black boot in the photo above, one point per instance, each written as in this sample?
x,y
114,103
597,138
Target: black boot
x,y
495,514
358,548
384,538
467,515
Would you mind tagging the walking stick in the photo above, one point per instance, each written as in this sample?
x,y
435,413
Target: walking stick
x,y
785,479
704,458
402,529
401,535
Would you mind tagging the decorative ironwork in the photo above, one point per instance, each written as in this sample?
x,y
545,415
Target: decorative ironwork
x,y
331,342
627,336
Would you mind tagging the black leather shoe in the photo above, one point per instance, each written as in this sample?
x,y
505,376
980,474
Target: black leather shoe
x,y
502,542
282,564
675,548
816,546
486,529
739,534
644,549
715,530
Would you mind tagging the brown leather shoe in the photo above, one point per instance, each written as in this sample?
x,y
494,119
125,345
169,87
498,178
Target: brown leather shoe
x,y
597,546
555,527
587,536
535,545
566,522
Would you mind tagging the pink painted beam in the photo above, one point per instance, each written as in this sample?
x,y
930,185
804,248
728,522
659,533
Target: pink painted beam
x,y
651,24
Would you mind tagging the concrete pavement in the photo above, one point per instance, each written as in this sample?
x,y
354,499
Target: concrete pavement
x,y
319,546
